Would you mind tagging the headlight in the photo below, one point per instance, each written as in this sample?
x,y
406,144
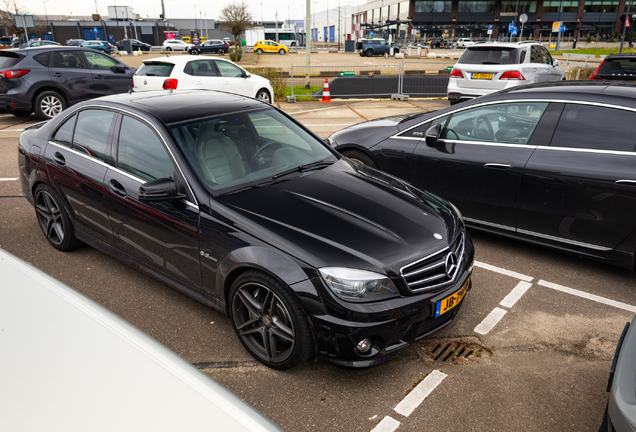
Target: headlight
x,y
461,218
358,285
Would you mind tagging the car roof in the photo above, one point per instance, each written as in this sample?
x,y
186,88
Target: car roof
x,y
590,91
181,106
179,59
48,48
507,44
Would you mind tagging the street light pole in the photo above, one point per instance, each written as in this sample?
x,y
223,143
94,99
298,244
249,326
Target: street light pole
x,y
307,42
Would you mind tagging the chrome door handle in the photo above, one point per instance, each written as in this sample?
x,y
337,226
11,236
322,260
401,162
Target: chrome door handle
x,y
496,166
117,188
626,182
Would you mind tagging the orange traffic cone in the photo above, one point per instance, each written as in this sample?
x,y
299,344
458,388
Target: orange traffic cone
x,y
325,92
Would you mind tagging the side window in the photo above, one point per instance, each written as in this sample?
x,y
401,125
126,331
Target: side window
x,y
203,68
43,59
228,69
508,123
522,56
420,131
99,61
141,153
535,54
585,126
66,59
64,135
91,133
547,58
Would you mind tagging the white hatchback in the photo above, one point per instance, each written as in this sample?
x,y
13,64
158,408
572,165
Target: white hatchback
x,y
187,72
489,67
176,45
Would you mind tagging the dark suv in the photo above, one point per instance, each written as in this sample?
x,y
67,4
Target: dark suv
x,y
621,67
48,79
376,46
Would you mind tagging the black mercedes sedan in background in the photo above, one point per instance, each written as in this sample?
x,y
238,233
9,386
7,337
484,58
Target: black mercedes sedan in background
x,y
232,202
551,164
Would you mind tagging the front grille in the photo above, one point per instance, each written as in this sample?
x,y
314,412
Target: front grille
x,y
431,324
437,270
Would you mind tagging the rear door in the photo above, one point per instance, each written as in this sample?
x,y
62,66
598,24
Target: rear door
x,y
581,188
107,79
68,71
204,75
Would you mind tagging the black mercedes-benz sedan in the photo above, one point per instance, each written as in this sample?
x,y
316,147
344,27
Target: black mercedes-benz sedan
x,y
551,164
232,202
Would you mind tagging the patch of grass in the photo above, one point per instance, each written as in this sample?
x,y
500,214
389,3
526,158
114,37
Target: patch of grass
x,y
300,91
599,51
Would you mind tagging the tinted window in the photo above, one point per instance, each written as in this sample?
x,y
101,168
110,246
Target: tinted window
x,y
228,69
66,59
141,152
200,68
490,55
8,59
155,69
420,131
91,132
593,127
535,55
64,134
623,66
522,56
42,58
99,61
508,123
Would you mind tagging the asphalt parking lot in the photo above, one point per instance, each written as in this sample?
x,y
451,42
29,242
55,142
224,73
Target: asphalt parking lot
x,y
542,326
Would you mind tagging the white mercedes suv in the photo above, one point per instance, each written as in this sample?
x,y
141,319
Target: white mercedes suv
x,y
489,67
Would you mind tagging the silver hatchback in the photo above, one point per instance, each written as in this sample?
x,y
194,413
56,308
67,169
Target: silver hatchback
x,y
489,67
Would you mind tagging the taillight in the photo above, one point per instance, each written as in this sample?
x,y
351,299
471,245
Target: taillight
x,y
14,73
456,73
512,75
226,45
593,76
170,84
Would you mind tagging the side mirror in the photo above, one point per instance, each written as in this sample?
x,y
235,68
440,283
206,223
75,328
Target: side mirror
x,y
432,135
120,68
555,62
162,189
246,74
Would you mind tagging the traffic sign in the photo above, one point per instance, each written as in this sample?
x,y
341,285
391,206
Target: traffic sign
x,y
523,18
563,28
514,31
490,29
510,27
95,29
556,26
628,23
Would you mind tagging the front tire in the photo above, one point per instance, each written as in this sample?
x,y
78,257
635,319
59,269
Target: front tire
x,y
259,51
282,52
359,156
48,104
53,219
263,95
269,321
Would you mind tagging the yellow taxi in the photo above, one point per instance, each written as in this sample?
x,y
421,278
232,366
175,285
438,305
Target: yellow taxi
x,y
262,46
186,39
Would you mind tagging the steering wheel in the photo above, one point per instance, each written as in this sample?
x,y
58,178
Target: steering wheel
x,y
257,161
478,132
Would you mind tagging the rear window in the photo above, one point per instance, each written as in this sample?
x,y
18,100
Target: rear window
x,y
490,55
155,69
8,59
626,66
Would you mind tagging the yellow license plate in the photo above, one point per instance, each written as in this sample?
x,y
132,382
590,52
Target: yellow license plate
x,y
482,76
451,301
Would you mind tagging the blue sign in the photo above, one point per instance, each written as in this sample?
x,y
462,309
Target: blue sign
x,y
563,28
95,29
510,27
514,31
371,32
490,27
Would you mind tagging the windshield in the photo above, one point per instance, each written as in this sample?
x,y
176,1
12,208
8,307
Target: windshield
x,y
247,148
490,55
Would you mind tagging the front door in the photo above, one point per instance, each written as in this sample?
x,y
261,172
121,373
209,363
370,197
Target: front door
x,y
107,80
164,235
233,79
479,160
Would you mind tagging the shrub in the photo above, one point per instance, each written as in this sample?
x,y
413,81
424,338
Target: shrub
x,y
589,39
275,78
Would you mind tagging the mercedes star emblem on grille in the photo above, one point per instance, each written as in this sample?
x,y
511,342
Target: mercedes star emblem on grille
x,y
451,264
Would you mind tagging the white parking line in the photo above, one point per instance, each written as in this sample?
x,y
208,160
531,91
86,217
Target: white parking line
x,y
588,296
388,424
515,294
419,393
490,321
12,130
8,179
504,271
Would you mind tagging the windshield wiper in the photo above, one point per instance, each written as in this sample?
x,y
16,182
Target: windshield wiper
x,y
302,168
248,187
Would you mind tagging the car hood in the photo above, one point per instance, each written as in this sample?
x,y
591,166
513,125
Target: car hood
x,y
346,215
372,132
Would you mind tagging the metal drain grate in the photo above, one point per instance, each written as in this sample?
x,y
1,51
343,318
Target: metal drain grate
x,y
445,351
457,351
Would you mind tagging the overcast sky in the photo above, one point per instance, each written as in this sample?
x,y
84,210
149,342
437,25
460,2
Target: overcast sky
x,y
181,8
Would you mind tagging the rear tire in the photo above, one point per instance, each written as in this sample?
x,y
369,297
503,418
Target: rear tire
x,y
221,52
48,104
53,219
369,53
168,48
194,52
357,155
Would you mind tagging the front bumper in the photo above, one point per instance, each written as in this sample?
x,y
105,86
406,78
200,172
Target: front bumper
x,y
391,325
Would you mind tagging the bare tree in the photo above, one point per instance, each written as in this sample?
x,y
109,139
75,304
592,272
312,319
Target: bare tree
x,y
236,18
9,8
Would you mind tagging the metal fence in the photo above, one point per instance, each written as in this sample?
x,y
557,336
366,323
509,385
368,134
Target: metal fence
x,y
413,78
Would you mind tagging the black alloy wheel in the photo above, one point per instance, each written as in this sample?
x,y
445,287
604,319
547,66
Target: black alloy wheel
x,y
221,52
369,53
53,219
269,321
195,52
358,156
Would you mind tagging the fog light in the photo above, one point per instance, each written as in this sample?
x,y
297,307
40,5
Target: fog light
x,y
364,345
